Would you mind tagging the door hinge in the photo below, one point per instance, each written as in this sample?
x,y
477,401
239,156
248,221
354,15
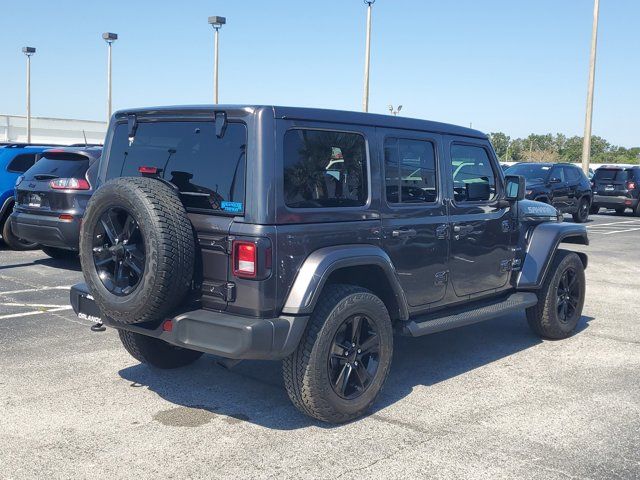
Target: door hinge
x,y
225,291
442,232
441,278
506,265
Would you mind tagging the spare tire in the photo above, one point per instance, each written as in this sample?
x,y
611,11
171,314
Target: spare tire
x,y
137,249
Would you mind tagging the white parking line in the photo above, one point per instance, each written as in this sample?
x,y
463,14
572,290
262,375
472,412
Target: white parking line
x,y
38,312
37,305
66,287
620,231
613,223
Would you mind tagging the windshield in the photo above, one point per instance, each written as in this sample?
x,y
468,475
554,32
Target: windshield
x,y
531,172
209,171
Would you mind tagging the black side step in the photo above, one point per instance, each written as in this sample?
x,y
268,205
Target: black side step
x,y
432,324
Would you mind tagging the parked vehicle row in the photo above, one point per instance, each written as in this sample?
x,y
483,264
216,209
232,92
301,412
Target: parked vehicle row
x,y
618,188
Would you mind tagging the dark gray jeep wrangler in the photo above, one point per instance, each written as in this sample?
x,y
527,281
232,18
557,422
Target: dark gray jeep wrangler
x,y
312,236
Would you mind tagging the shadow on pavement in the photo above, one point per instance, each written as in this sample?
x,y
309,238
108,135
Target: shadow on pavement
x,y
253,391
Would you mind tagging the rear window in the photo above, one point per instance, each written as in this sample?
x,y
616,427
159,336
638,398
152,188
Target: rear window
x,y
324,169
611,174
209,171
59,165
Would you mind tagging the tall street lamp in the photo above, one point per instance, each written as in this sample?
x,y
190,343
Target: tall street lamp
x,y
109,38
216,22
28,51
586,142
367,57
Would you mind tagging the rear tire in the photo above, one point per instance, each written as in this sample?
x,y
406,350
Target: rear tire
x,y
156,353
582,214
636,211
13,242
60,253
335,383
560,299
594,210
620,211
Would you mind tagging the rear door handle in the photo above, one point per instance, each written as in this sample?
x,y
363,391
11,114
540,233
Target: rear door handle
x,y
410,232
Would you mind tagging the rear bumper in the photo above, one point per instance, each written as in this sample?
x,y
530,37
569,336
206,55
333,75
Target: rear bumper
x,y
614,201
47,230
218,333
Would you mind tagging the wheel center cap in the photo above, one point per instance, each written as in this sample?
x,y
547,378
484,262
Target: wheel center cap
x,y
117,251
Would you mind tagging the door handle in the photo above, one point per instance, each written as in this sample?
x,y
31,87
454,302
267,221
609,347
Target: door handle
x,y
462,228
410,232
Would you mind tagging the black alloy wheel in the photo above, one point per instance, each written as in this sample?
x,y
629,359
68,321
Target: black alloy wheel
x,y
583,211
118,251
568,295
354,358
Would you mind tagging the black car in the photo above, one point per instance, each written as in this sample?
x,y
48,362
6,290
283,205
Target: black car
x,y
311,236
51,198
616,187
562,185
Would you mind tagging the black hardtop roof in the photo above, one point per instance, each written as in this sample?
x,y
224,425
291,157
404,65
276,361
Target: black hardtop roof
x,y
547,164
313,114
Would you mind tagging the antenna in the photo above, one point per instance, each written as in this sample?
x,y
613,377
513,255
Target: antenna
x,y
85,138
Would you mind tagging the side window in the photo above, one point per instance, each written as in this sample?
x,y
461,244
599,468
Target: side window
x,y
557,172
473,177
410,171
572,174
324,169
22,163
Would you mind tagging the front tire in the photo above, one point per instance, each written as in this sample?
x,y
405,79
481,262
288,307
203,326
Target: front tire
x,y
13,242
560,299
344,356
156,353
582,214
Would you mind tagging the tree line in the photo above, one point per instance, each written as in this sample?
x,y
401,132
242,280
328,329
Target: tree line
x,y
559,148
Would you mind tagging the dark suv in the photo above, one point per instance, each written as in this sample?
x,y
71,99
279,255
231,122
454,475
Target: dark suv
x,y
562,185
616,187
51,197
311,236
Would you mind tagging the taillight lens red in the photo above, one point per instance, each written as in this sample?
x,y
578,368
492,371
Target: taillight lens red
x,y
631,186
245,258
70,184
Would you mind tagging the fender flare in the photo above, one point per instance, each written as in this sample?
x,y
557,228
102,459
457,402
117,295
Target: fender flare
x,y
318,266
5,207
543,243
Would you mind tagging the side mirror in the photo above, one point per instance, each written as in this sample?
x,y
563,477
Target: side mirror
x,y
555,180
515,187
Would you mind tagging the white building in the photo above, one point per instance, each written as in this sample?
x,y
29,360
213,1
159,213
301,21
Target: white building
x,y
59,131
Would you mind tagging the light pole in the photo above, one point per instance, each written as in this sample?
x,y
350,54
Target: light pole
x,y
109,38
28,51
394,112
367,57
216,23
586,142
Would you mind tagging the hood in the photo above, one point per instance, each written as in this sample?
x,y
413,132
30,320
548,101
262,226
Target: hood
x,y
531,211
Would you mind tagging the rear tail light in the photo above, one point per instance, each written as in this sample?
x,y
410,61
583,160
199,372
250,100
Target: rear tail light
x,y
66,217
245,256
631,186
70,184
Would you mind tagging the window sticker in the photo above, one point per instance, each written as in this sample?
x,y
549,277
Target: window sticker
x,y
233,207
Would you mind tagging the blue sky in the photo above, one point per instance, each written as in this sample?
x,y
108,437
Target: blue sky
x,y
505,65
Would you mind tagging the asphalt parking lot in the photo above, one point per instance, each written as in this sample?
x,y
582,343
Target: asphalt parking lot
x,y
486,401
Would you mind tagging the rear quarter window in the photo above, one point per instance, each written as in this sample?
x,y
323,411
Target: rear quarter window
x,y
324,169
21,163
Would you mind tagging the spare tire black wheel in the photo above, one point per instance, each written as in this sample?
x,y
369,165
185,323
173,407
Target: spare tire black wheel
x,y
137,249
